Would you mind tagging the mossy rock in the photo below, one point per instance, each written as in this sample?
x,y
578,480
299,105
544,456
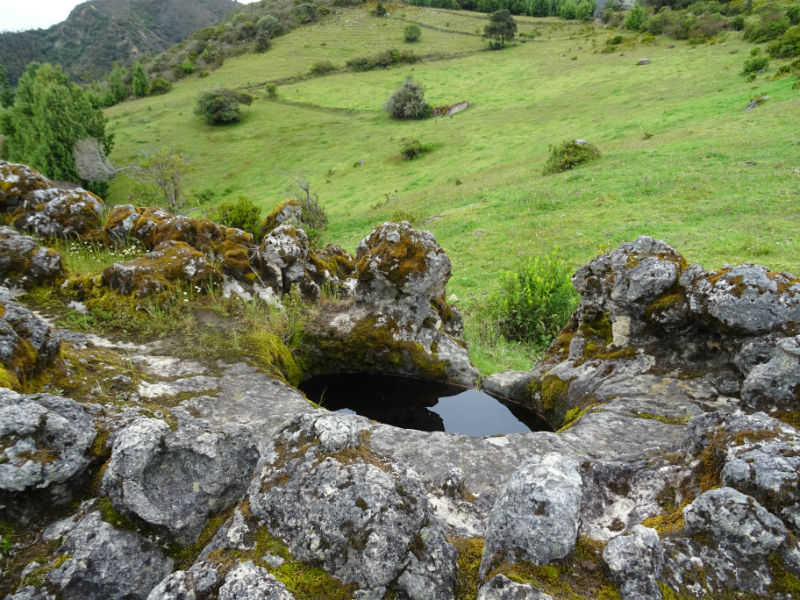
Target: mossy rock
x,y
59,213
287,212
16,181
168,264
24,261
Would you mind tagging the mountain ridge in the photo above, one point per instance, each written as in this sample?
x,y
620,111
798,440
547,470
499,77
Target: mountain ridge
x,y
98,33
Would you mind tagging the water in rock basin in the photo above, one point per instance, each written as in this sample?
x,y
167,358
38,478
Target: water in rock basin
x,y
424,405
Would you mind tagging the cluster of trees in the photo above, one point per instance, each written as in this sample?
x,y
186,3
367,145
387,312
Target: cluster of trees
x,y
48,115
566,9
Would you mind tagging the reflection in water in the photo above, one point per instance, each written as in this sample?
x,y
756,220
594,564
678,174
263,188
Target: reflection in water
x,y
423,405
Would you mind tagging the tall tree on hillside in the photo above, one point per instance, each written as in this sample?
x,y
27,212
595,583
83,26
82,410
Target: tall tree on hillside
x,y
6,91
140,81
48,115
117,89
502,26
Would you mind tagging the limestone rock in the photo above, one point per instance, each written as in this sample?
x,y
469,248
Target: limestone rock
x,y
775,384
399,321
27,343
25,261
749,299
635,561
735,521
334,502
501,587
103,563
43,442
247,581
170,262
57,212
16,182
31,593
536,515
288,212
283,259
175,480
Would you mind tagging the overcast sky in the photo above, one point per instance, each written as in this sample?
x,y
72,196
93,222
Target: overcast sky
x,y
16,15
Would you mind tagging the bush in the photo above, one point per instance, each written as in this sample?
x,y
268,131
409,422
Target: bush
x,y
411,148
408,102
412,33
269,26
383,60
380,10
323,66
570,154
787,46
535,302
221,106
159,86
242,214
272,91
262,43
187,66
636,17
755,64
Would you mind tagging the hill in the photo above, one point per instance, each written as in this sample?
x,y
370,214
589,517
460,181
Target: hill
x,y
682,160
99,32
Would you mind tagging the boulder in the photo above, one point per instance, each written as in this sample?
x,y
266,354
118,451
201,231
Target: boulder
x,y
775,384
24,261
501,587
334,502
27,343
247,581
536,515
176,480
288,212
168,264
16,182
283,262
635,561
399,321
44,442
56,212
99,562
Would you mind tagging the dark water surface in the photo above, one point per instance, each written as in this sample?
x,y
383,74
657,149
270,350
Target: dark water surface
x,y
415,404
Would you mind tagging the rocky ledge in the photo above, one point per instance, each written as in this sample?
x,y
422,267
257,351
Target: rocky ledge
x,y
673,474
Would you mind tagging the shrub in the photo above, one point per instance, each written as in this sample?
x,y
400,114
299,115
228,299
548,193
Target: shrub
x,y
221,106
771,27
787,46
636,17
382,60
535,302
187,66
159,86
408,102
412,33
269,25
793,14
262,43
307,12
411,148
242,214
380,10
322,66
755,64
272,91
570,154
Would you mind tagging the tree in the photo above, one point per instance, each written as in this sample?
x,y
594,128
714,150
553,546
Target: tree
x,y
408,102
49,114
6,91
380,10
117,90
502,26
636,17
221,106
167,170
412,33
141,83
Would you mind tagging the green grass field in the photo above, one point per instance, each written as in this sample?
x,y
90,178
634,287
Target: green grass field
x,y
682,160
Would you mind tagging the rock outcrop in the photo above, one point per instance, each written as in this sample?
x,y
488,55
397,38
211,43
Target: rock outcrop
x,y
399,321
176,480
24,262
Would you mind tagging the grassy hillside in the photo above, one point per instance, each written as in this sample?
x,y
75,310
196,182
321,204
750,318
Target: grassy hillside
x,y
682,160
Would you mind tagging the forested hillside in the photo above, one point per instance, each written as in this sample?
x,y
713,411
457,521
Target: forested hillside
x,y
100,32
